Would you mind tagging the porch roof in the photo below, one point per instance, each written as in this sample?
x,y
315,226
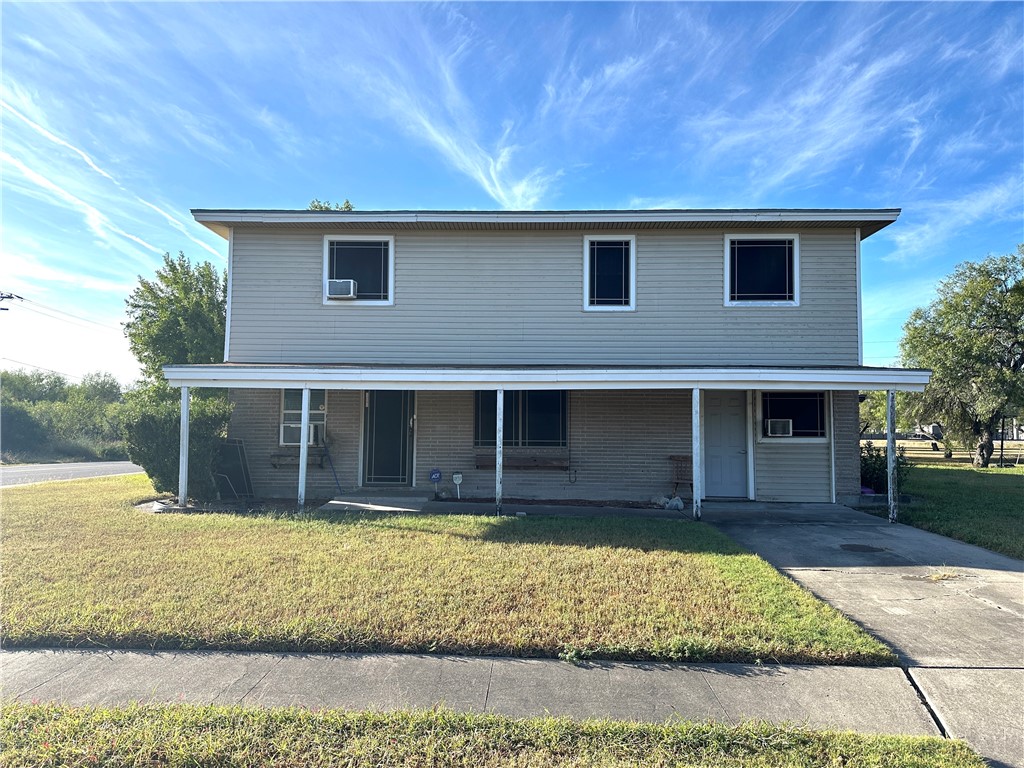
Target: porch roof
x,y
453,377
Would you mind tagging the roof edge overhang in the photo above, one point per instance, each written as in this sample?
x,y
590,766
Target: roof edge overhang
x,y
868,220
253,376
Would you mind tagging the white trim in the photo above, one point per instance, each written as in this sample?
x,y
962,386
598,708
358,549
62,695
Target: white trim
x,y
390,240
227,307
832,446
183,450
462,379
860,311
761,236
304,445
709,215
751,424
364,394
697,449
415,433
760,438
613,236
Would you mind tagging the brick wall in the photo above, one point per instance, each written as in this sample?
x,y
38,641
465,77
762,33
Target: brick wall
x,y
619,444
846,412
256,420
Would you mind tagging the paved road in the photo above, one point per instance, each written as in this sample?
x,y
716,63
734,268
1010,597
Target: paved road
x,y
953,612
22,474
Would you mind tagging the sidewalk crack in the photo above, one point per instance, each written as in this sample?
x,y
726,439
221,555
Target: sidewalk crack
x,y
487,693
714,693
924,700
262,678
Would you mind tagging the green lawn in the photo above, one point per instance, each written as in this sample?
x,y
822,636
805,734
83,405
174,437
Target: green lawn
x,y
81,566
183,735
980,506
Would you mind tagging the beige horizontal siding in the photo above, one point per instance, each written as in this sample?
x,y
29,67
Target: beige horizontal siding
x,y
516,298
792,471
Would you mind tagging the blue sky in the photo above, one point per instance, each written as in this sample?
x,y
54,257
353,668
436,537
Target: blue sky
x,y
117,119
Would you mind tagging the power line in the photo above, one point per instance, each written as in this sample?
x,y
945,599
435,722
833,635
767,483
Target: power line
x,y
77,317
40,368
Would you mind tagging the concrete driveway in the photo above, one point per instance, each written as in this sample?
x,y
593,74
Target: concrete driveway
x,y
23,474
954,613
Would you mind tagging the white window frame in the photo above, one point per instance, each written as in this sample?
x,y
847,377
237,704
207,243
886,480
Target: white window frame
x,y
729,302
587,306
390,240
282,423
759,425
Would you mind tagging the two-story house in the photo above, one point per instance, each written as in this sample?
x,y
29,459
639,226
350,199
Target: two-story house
x,y
549,354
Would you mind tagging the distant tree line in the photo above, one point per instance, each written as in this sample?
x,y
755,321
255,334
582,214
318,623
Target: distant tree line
x,y
44,416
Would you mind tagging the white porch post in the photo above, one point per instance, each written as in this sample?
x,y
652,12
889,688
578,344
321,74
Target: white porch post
x,y
499,438
303,446
890,453
698,459
183,451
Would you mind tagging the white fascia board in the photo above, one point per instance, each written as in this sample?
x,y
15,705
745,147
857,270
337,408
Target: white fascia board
x,y
275,377
723,216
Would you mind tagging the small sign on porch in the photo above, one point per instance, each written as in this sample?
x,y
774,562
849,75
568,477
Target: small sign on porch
x,y
435,478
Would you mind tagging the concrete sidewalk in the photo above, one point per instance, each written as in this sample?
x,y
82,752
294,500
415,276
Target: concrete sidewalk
x,y
867,699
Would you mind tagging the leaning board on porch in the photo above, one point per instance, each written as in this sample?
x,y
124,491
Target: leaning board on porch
x,y
682,473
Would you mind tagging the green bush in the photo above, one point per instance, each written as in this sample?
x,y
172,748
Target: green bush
x,y
150,425
20,431
874,468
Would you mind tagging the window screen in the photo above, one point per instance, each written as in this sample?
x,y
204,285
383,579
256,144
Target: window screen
x,y
291,416
366,262
610,280
761,270
533,419
805,409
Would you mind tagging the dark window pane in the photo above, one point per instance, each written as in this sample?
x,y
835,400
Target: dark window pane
x,y
545,418
365,262
532,419
805,409
486,419
609,273
761,270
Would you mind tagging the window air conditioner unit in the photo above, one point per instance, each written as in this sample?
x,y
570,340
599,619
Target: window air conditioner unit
x,y
341,289
780,427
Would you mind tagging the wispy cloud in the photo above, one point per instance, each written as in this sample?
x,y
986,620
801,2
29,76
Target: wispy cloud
x,y
99,224
937,222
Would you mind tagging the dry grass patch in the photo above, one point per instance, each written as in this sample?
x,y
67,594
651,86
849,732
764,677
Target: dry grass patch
x,y
182,735
82,567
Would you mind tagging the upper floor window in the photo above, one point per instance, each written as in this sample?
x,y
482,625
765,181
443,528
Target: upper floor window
x,y
360,269
609,273
533,419
793,414
762,269
291,416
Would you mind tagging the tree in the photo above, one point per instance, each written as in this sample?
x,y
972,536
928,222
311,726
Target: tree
x,y
316,204
872,412
177,318
972,337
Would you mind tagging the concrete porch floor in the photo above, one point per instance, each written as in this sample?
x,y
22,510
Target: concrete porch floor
x,y
414,500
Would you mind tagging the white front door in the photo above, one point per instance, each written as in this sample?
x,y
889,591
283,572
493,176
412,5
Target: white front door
x,y
725,444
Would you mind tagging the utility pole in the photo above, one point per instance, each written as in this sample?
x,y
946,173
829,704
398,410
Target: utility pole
x,y
7,297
